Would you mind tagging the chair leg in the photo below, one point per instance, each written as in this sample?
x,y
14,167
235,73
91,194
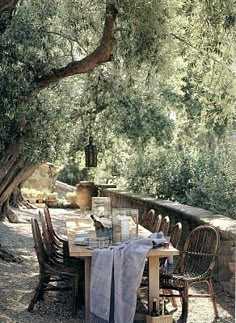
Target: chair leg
x,y
43,289
173,300
81,296
213,299
184,314
38,292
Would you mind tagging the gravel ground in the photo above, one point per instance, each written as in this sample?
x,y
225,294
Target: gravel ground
x,y
17,281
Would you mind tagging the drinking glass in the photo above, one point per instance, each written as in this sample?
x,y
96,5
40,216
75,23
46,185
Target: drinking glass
x,y
124,224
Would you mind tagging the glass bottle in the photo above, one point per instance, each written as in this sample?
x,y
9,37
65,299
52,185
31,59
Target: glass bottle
x,y
98,225
155,311
163,310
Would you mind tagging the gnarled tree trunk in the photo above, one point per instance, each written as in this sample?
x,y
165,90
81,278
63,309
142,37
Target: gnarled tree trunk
x,y
16,199
14,171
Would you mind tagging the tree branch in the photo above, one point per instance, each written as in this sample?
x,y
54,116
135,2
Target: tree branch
x,y
183,40
70,40
100,55
190,45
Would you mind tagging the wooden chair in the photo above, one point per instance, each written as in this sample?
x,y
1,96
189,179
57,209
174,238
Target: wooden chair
x,y
157,223
176,234
174,240
53,250
57,239
195,266
149,220
60,252
164,227
50,270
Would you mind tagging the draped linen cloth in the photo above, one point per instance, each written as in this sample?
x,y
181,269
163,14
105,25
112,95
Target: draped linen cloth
x,y
116,275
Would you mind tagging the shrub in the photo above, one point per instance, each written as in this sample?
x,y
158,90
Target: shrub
x,y
72,174
204,178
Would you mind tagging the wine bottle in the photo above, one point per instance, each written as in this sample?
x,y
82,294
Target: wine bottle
x,y
154,311
98,225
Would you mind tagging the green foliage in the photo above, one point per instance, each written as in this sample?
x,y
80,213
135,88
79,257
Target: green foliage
x,y
72,174
143,29
200,178
170,86
40,37
153,131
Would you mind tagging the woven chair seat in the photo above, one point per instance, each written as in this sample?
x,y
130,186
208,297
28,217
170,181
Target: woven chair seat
x,y
177,282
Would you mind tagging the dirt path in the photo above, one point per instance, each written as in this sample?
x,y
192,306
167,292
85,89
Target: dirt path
x,y
17,282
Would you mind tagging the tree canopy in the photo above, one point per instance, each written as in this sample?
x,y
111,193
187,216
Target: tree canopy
x,y
144,72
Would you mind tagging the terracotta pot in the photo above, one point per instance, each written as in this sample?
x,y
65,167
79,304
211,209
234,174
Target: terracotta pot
x,y
84,193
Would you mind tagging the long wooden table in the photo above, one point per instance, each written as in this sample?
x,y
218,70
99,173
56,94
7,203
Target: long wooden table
x,y
80,224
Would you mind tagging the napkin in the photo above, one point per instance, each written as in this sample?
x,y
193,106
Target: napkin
x,y
81,238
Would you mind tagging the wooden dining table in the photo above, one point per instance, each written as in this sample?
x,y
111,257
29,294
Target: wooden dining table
x,y
84,223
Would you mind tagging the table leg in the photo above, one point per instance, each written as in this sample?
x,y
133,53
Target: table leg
x,y
87,269
153,269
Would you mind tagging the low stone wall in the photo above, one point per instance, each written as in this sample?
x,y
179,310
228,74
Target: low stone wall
x,y
190,217
62,188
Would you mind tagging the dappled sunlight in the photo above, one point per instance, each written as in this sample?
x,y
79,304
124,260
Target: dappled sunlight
x,y
6,319
224,304
108,94
18,281
28,257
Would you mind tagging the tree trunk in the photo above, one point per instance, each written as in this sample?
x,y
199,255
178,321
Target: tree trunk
x,y
3,210
16,174
10,157
16,199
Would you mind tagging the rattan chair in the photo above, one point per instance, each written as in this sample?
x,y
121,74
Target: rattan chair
x,y
164,227
195,266
51,271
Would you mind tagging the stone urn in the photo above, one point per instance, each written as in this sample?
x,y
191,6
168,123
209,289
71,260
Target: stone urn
x,y
84,193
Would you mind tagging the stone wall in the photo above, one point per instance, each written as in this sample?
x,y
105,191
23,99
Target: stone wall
x,y
190,217
62,188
